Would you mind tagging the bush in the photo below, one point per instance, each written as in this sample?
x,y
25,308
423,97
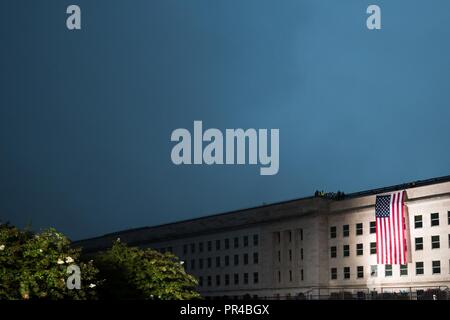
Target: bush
x,y
35,266
133,273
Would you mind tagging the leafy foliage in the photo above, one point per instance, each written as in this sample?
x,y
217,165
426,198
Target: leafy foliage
x,y
134,273
35,266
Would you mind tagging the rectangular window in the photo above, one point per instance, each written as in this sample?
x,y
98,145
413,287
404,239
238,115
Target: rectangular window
x,y
301,252
374,271
418,222
373,227
333,273
192,247
290,236
185,249
449,240
236,259
436,267
346,272
419,244
359,249
346,250
279,256
209,281
209,262
217,262
255,277
360,272
359,229
302,275
245,241
236,278
200,263
435,242
209,245
227,279
301,233
435,219
217,244
192,264
346,230
404,270
200,247
332,232
290,275
255,258
245,278
200,281
419,268
448,217
236,242
227,261
245,258
373,248
227,244
290,255
333,252
388,270
218,280
255,240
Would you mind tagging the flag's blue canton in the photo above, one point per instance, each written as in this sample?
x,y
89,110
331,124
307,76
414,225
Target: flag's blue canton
x,y
382,207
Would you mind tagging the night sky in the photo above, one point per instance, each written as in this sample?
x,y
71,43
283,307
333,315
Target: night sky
x,y
86,116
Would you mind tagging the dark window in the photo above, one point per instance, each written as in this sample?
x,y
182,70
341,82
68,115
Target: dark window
x,y
435,242
192,247
346,272
236,278
192,264
200,247
245,241
435,219
279,256
209,281
245,278
236,259
255,240
360,272
227,261
373,248
218,262
333,273
333,252
449,240
227,244
388,270
236,242
359,229
418,222
373,227
302,275
346,250
279,276
404,270
209,245
301,253
419,268
255,258
185,249
448,217
245,258
332,232
217,244
290,255
346,230
227,279
218,280
255,277
419,244
359,249
436,267
209,262
290,236
200,263
290,275
301,234
200,281
278,237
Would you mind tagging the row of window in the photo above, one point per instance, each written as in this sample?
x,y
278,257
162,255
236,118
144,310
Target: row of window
x,y
218,244
290,254
226,279
420,270
302,275
435,244
222,261
289,235
359,230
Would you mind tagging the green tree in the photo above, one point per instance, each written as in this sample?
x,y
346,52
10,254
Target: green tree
x,y
134,273
35,266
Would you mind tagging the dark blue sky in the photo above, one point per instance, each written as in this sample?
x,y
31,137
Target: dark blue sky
x,y
86,116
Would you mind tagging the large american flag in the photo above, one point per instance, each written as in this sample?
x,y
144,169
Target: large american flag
x,y
391,229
